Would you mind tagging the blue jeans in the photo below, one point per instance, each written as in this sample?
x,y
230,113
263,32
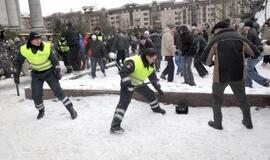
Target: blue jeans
x,y
188,75
178,61
252,73
94,61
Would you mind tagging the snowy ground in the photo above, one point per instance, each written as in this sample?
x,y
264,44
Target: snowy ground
x,y
148,136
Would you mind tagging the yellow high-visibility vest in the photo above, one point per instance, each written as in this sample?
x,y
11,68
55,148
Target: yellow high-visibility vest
x,y
63,46
140,73
39,61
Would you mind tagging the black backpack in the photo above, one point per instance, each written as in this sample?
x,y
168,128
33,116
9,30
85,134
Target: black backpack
x,y
181,109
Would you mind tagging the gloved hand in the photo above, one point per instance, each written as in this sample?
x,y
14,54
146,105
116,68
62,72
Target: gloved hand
x,y
57,72
17,80
160,92
128,85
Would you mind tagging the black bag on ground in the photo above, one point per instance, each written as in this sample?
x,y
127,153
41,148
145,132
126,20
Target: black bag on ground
x,y
181,109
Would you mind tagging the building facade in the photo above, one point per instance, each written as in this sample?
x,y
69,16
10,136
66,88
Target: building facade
x,y
159,14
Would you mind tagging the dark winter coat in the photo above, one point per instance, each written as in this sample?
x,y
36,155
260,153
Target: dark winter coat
x,y
187,39
120,42
201,44
72,36
156,40
226,52
253,37
98,49
143,47
178,41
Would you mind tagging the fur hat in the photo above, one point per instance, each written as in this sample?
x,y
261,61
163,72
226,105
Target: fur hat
x,y
219,25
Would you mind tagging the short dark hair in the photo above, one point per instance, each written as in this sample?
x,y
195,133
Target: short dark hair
x,y
97,28
150,52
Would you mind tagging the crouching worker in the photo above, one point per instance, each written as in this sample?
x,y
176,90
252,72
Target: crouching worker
x,y
133,74
45,68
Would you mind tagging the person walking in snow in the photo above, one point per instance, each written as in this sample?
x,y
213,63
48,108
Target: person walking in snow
x,y
226,52
252,73
133,73
168,51
45,68
98,53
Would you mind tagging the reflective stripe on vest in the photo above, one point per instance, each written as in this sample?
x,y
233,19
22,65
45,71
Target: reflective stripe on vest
x,y
63,46
39,61
140,73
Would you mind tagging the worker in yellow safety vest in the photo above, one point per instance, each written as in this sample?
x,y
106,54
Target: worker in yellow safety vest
x,y
133,73
45,68
63,50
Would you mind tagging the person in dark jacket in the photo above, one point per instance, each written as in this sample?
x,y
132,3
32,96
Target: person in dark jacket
x,y
98,53
226,53
189,50
178,54
63,49
134,72
45,68
73,41
252,73
155,37
197,57
144,44
120,46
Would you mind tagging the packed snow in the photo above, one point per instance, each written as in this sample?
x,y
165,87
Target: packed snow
x,y
147,136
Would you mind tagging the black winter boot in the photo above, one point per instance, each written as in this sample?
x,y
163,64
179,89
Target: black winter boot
x,y
248,125
158,110
213,124
116,126
116,129
40,114
71,110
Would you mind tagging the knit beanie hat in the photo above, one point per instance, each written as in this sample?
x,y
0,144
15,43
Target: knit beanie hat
x,y
33,35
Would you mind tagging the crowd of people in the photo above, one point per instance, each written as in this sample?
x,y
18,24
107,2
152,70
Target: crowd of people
x,y
233,49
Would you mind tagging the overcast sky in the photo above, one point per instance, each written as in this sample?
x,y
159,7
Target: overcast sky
x,y
51,6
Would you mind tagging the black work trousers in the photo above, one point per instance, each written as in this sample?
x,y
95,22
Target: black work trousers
x,y
125,98
75,57
238,88
169,70
37,82
66,58
199,66
121,55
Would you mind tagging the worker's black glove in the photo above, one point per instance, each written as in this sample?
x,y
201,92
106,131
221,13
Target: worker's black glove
x,y
57,72
160,92
17,79
128,85
158,88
